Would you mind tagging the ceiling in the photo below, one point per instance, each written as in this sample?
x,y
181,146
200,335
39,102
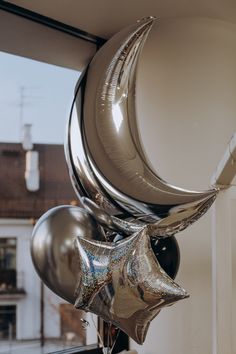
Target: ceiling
x,y
105,17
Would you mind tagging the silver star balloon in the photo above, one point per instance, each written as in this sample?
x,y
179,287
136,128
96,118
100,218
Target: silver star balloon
x,y
124,283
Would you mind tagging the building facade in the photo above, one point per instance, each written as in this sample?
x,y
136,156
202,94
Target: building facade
x,y
29,310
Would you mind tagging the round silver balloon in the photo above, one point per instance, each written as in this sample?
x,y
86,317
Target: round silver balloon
x,y
53,251
105,156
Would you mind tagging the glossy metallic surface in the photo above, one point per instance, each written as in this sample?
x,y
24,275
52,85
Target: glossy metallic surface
x,y
123,283
105,155
167,253
110,221
53,251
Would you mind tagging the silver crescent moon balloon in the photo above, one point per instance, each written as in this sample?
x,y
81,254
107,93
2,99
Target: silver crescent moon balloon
x,y
104,152
52,247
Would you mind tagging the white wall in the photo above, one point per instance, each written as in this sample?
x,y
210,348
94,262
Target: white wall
x,y
28,309
52,315
187,114
233,241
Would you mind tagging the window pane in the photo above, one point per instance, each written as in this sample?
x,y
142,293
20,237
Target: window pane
x,y
7,322
35,100
7,264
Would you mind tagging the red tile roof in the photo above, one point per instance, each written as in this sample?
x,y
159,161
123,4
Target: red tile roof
x,y
55,186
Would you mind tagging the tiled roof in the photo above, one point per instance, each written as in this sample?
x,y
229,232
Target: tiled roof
x,y
55,186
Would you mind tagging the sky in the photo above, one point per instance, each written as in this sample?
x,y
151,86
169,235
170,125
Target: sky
x,y
47,98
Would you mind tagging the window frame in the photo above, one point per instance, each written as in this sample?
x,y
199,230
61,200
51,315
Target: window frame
x,y
87,349
79,35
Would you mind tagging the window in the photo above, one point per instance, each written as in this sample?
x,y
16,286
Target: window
x,y
7,264
8,322
35,101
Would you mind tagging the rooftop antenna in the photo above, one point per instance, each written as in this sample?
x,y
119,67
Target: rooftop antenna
x,y
25,99
22,104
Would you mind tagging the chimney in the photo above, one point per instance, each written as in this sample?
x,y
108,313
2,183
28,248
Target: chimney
x,y
32,177
32,171
27,138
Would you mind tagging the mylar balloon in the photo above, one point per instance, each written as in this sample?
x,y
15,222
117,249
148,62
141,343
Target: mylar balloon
x,y
105,156
53,251
123,283
166,251
168,255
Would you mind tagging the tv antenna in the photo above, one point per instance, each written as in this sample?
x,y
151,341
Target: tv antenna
x,y
23,102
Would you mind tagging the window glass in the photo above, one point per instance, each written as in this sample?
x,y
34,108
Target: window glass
x,y
7,264
35,101
34,93
7,322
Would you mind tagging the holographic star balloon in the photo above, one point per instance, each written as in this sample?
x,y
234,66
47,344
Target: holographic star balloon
x,y
123,283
